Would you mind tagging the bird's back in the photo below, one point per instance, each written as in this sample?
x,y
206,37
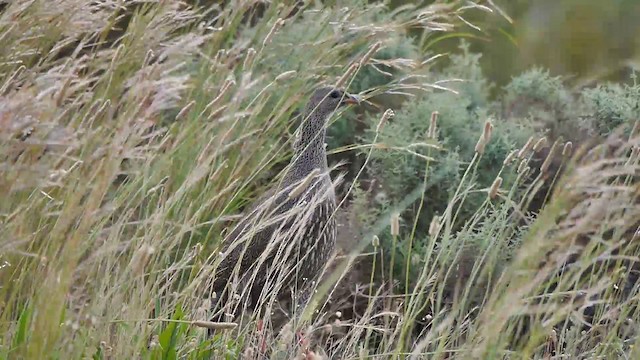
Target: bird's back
x,y
289,234
296,233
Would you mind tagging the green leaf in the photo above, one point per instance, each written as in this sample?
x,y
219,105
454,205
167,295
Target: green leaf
x,y
23,326
98,354
168,339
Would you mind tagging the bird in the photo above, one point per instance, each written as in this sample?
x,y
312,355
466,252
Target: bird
x,y
289,233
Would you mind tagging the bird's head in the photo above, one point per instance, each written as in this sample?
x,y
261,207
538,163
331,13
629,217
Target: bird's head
x,y
325,100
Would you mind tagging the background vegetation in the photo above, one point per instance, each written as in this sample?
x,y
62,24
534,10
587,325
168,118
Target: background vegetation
x,y
493,216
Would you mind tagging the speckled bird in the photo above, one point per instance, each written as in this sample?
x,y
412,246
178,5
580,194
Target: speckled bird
x,y
292,224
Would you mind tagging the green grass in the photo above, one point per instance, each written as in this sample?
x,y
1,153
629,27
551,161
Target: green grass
x,y
147,142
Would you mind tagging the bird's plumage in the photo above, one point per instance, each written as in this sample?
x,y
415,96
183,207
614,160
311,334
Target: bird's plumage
x,y
291,228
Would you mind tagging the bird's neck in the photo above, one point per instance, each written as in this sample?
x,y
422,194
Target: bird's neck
x,y
309,149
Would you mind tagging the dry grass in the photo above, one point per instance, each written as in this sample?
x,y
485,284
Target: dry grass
x,y
126,153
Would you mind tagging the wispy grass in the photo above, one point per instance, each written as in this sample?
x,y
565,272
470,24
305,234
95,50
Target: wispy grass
x,y
126,154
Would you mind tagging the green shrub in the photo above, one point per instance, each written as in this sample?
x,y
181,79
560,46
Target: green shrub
x,y
609,106
537,90
460,123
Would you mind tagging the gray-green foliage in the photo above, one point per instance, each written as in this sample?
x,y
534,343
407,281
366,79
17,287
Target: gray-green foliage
x,y
399,159
531,105
538,99
610,106
462,116
545,101
537,88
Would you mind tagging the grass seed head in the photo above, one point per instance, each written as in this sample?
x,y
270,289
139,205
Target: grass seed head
x,y
522,166
276,26
484,138
487,131
248,59
304,184
215,325
567,149
395,224
432,132
155,342
527,146
547,161
495,187
369,54
480,145
343,79
388,114
286,334
540,144
375,241
249,353
434,226
185,110
287,75
509,159
141,258
310,355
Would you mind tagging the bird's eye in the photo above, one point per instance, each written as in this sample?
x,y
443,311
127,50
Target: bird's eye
x,y
335,94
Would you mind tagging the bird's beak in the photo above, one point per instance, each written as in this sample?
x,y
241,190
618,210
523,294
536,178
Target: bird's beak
x,y
350,100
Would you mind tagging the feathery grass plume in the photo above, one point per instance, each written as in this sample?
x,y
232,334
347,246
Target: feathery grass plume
x,y
141,258
350,71
480,145
277,25
567,149
372,51
287,75
434,226
375,241
185,110
388,114
220,54
527,146
523,164
249,353
311,355
557,248
304,184
155,342
541,143
432,132
487,131
214,325
395,224
485,137
495,187
228,83
248,59
547,161
510,158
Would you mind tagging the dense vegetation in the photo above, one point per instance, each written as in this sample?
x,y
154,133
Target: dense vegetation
x,y
477,221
